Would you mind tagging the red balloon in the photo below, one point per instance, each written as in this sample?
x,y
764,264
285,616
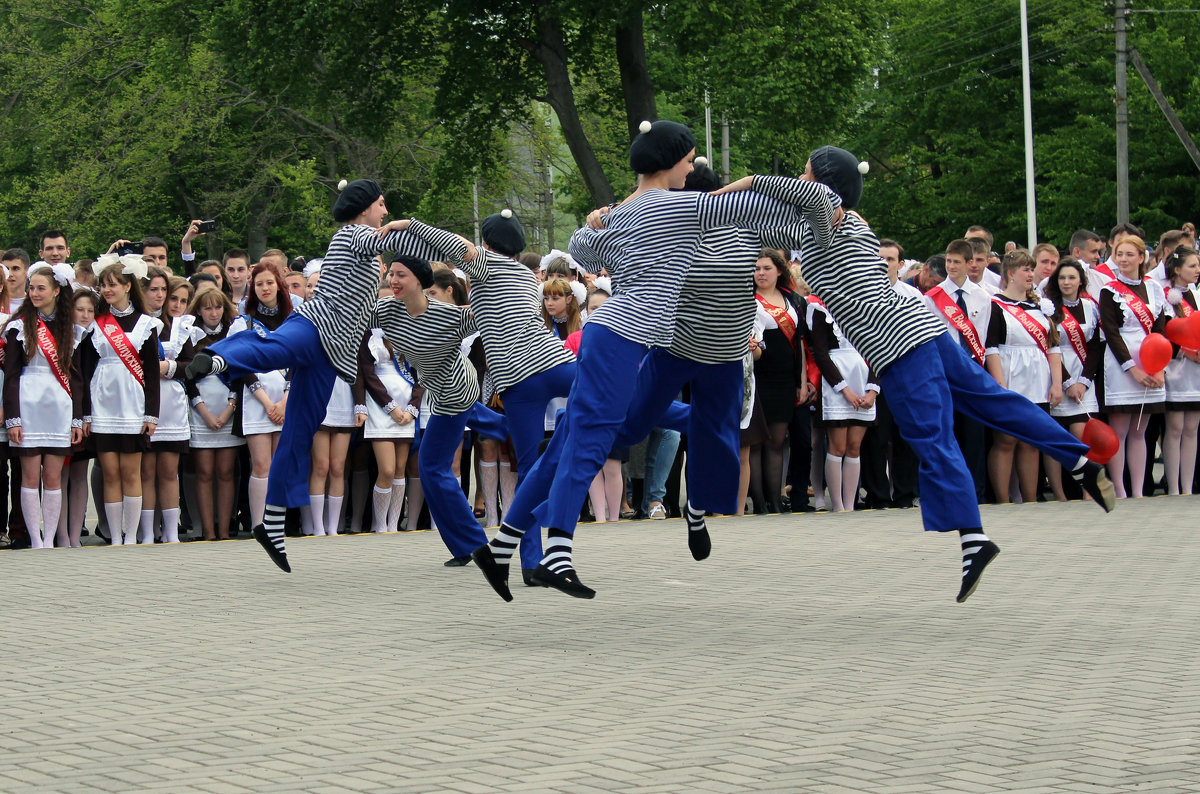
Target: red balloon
x,y
1101,440
1155,354
1183,333
1193,321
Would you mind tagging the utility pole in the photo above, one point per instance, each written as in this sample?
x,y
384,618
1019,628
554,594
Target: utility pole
x,y
1030,191
724,148
1122,100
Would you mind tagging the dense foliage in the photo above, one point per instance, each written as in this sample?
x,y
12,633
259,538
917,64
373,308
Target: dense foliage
x,y
124,118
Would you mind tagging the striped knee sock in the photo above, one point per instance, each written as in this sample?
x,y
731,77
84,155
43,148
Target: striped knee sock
x,y
505,543
273,517
558,551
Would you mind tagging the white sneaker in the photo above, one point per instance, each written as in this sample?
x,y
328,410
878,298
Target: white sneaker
x,y
658,511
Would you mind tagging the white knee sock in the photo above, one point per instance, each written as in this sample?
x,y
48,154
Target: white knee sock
x,y
112,514
170,525
380,499
508,486
146,527
333,511
416,501
31,511
850,470
258,499
51,512
316,503
833,478
396,505
131,516
488,481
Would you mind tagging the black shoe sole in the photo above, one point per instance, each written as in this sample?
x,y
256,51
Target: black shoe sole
x,y
566,583
699,544
495,573
982,558
278,557
527,576
457,562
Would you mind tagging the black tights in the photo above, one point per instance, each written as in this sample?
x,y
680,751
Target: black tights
x,y
766,466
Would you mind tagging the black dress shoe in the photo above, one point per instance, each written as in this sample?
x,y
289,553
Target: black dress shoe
x,y
1093,478
772,508
527,576
567,582
457,562
903,504
278,557
804,508
760,509
200,366
979,560
495,572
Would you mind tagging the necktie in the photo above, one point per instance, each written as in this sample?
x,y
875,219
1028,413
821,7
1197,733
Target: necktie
x,y
962,340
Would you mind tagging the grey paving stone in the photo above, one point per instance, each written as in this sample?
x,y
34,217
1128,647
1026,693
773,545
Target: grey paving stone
x,y
782,663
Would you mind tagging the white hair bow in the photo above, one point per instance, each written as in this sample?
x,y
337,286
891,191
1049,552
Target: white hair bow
x,y
63,273
557,254
135,266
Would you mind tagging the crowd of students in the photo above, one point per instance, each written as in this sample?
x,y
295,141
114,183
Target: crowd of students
x,y
95,354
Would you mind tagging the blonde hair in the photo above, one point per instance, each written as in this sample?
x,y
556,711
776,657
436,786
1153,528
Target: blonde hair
x,y
556,288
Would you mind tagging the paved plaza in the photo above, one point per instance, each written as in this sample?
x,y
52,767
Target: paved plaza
x,y
810,653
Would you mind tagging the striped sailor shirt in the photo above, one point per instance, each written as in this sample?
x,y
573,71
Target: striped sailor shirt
x,y
349,286
715,314
647,245
508,312
431,342
844,270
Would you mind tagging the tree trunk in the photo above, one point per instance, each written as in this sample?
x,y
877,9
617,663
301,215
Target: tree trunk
x,y
636,85
551,54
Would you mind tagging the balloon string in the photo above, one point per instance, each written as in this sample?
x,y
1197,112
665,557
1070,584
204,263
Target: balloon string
x,y
1142,407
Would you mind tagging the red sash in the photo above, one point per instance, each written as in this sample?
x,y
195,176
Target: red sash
x,y
1185,310
782,319
1104,270
1074,333
120,343
45,343
1136,305
1031,326
958,319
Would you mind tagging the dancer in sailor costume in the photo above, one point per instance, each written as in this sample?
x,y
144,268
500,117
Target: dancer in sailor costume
x,y
528,364
924,372
713,319
319,342
650,240
429,334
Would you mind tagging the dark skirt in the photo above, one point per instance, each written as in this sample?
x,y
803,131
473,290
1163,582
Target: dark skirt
x,y
178,447
1145,410
121,443
756,432
1067,421
1183,406
29,452
331,429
